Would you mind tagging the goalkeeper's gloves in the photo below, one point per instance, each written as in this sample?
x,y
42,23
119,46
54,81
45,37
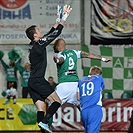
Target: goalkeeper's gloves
x,y
59,14
66,12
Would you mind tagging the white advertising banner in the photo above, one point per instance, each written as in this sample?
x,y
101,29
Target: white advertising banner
x,y
17,15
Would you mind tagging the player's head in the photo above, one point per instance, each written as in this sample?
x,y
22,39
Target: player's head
x,y
59,45
33,33
50,80
95,71
27,66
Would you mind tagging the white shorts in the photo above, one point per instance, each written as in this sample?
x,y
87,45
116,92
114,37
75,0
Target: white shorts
x,y
67,92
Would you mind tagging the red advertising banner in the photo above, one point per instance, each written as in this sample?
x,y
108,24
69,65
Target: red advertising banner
x,y
67,118
116,114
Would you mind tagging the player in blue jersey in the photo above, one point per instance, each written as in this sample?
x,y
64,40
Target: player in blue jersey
x,y
90,88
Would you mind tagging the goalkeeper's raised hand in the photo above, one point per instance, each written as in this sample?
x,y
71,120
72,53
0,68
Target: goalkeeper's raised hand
x,y
66,11
59,14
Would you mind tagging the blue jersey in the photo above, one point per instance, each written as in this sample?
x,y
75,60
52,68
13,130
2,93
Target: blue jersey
x,y
90,88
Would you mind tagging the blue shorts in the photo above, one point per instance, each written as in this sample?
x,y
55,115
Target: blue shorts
x,y
91,118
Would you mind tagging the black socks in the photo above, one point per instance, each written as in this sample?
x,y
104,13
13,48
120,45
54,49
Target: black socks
x,y
51,111
40,116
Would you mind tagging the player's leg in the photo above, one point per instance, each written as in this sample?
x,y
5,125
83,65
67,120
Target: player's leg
x,y
54,98
40,90
48,103
78,99
50,112
46,91
71,89
55,104
61,93
40,117
39,104
67,92
35,92
84,116
95,117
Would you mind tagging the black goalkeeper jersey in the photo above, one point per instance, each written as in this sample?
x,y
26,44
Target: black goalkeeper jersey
x,y
37,52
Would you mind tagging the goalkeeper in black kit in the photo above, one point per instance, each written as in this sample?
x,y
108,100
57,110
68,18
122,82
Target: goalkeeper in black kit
x,y
39,87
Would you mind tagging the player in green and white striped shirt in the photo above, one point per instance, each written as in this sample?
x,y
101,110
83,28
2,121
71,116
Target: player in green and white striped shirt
x,y
67,70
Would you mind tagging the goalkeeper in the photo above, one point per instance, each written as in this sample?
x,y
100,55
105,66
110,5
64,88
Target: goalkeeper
x,y
40,89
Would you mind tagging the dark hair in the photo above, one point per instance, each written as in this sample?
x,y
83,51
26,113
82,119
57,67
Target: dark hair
x,y
50,77
30,32
57,43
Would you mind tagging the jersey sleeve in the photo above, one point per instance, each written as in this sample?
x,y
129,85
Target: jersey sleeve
x,y
4,65
59,55
78,53
50,36
20,68
102,83
51,30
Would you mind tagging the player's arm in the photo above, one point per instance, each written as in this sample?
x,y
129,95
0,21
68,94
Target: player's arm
x,y
61,16
56,29
58,60
19,67
4,64
58,19
48,38
94,56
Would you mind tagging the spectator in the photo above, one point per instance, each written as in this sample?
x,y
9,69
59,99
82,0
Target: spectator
x,y
10,93
51,81
11,73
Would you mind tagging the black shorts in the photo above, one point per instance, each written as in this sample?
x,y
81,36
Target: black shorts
x,y
39,88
